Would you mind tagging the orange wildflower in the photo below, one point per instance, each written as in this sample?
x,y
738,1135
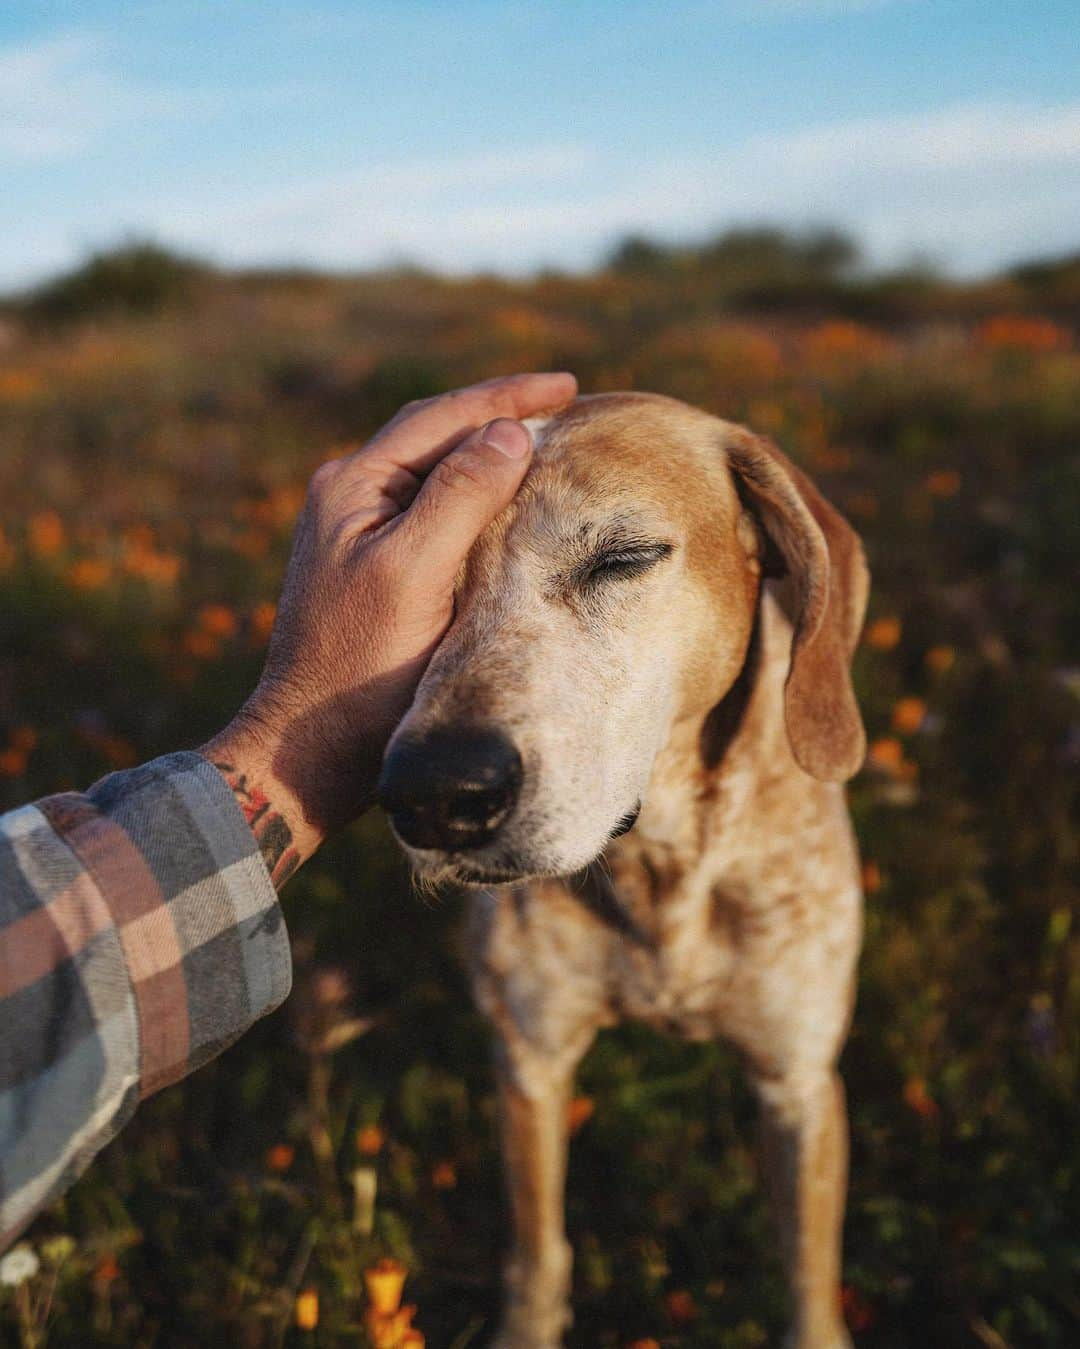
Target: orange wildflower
x,y
139,538
370,1139
89,573
201,645
218,620
385,1282
858,1313
106,1271
645,1344
24,738
871,877
280,1157
886,752
443,1176
919,1099
252,543
149,565
45,534
864,505
414,1339
262,620
579,1112
1022,333
12,763
831,460
681,1306
908,715
120,753
944,482
306,1309
940,659
843,343
883,634
16,386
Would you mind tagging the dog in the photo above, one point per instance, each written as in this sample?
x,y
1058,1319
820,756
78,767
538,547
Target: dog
x,y
633,741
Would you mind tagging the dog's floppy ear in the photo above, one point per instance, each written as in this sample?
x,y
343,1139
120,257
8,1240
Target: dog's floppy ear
x,y
822,554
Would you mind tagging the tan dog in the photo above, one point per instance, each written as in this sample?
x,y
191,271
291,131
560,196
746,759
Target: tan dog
x,y
619,647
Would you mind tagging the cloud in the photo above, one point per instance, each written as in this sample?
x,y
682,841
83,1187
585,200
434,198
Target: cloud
x,y
60,95
973,185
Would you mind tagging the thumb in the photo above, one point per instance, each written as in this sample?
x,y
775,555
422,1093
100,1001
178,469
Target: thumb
x,y
464,492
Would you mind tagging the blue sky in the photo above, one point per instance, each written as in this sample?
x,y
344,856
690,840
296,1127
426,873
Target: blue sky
x,y
507,134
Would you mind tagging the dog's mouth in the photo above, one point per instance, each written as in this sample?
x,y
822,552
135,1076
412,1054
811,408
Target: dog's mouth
x,y
626,823
436,867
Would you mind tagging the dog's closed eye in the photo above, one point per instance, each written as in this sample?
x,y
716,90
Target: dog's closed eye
x,y
620,564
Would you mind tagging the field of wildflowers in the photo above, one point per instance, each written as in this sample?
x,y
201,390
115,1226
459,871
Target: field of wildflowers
x,y
333,1179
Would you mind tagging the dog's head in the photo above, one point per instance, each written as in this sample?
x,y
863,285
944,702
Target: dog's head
x,y
614,598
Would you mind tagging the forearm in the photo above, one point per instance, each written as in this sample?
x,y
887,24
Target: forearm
x,y
139,936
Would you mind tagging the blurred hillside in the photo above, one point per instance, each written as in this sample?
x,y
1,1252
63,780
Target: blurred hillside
x,y
158,422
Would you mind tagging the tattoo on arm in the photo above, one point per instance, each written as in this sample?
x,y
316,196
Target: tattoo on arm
x,y
272,834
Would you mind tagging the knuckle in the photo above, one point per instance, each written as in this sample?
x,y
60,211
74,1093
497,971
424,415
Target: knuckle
x,y
323,476
461,472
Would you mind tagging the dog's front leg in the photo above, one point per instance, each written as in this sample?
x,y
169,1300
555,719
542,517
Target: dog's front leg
x,y
804,1129
534,1093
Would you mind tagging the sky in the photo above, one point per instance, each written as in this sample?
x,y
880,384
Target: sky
x,y
513,135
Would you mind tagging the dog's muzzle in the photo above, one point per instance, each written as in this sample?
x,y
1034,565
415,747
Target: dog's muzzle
x,y
450,789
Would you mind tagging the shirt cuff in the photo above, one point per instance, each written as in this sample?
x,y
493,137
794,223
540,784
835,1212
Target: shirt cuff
x,y
199,922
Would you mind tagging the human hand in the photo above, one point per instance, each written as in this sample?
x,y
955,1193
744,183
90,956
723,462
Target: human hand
x,y
368,594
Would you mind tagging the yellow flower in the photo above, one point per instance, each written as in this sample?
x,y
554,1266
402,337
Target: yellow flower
x,y
306,1309
385,1282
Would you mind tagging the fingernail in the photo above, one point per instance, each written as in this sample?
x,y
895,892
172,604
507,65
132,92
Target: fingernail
x,y
508,437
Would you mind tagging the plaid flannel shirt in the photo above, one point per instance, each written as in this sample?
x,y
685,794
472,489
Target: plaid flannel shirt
x,y
139,936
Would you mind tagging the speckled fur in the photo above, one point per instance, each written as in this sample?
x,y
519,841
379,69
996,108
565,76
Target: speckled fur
x,y
739,884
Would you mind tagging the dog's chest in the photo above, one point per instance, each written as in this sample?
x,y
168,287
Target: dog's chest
x,y
675,970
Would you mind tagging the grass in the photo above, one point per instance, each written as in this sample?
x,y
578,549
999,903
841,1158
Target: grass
x,y
152,459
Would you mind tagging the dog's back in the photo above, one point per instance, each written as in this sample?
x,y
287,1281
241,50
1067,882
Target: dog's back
x,y
680,724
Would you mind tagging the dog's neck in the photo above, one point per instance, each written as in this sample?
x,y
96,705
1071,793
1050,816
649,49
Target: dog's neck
x,y
709,777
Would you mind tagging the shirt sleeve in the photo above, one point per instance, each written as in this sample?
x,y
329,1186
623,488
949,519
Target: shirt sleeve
x,y
139,936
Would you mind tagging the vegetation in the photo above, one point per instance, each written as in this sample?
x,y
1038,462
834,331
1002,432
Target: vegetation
x,y
153,451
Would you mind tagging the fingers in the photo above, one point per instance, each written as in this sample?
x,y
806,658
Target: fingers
x,y
461,496
420,435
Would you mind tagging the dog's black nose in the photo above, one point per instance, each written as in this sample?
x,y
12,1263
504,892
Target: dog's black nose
x,y
450,789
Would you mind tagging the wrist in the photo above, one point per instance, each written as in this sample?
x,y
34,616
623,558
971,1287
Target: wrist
x,y
245,755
